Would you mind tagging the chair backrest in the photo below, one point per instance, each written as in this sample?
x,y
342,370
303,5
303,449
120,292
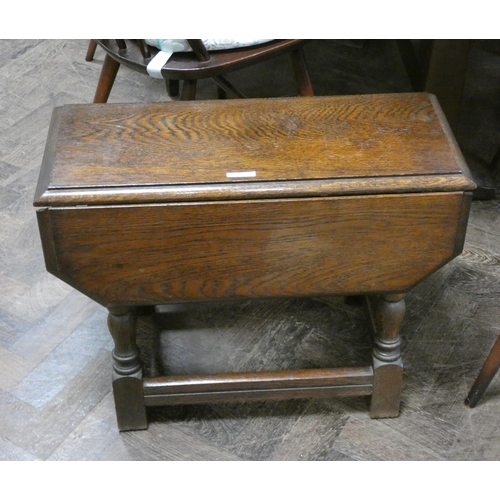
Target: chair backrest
x,y
199,49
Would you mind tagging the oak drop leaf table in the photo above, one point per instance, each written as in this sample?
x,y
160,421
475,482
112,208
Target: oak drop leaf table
x,y
146,204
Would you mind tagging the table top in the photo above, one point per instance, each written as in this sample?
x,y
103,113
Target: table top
x,y
256,148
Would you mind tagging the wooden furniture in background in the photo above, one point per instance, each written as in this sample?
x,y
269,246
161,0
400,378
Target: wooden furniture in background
x,y
440,68
486,374
141,205
188,67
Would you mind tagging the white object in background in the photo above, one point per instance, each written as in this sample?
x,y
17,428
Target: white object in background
x,y
168,47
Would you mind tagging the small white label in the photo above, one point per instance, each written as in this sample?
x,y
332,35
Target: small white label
x,y
250,173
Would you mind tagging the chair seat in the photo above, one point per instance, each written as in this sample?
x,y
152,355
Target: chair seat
x,y
169,46
210,43
182,65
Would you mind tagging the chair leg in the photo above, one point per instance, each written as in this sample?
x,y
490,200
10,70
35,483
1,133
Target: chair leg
x,y
224,86
221,93
91,50
173,88
301,73
495,161
486,374
106,80
188,90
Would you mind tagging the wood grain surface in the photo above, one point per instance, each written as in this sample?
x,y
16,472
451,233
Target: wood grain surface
x,y
279,139
158,253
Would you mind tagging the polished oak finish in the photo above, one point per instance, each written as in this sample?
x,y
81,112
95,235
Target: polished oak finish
x,y
145,255
146,204
355,139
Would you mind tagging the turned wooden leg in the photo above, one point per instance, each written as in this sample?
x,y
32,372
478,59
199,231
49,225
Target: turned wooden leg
x,y
108,74
387,313
488,371
127,371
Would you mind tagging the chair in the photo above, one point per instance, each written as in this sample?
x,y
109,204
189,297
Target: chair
x,y
188,67
172,85
486,374
492,363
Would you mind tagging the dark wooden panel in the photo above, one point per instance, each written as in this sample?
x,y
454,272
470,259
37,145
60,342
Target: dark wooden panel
x,y
157,253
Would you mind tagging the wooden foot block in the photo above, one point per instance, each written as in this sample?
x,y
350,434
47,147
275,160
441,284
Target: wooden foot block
x,y
129,402
387,385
